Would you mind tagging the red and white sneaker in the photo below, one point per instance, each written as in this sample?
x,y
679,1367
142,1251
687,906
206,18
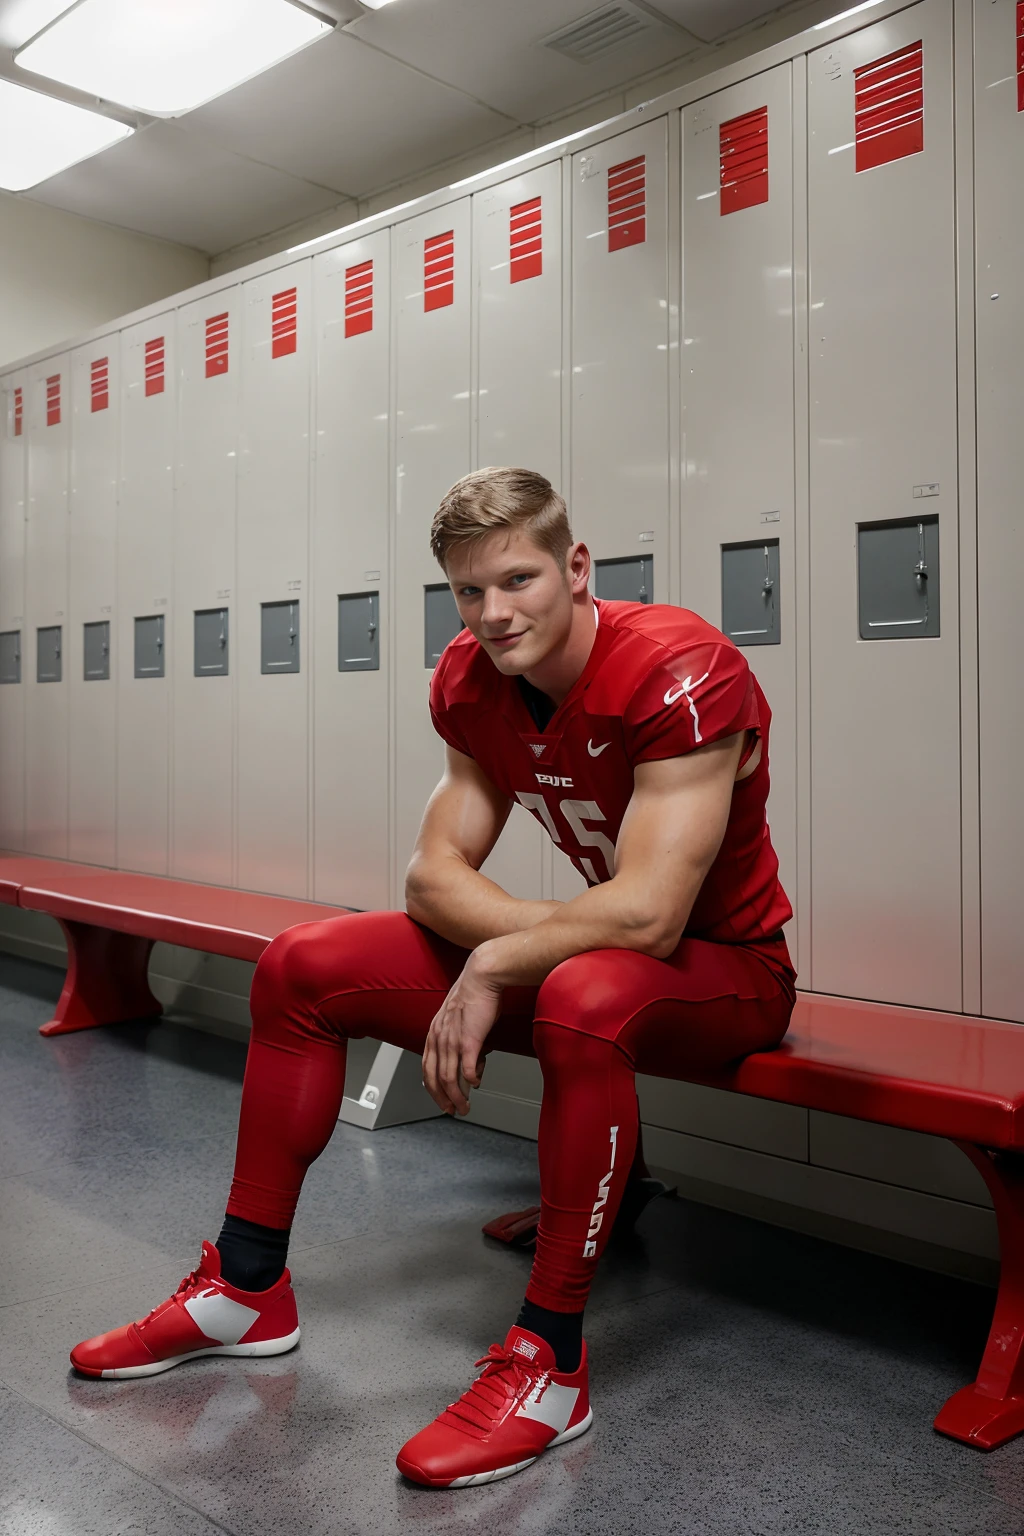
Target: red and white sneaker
x,y
517,1408
205,1316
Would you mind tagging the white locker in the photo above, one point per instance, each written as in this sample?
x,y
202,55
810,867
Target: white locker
x,y
885,748
620,341
13,442
999,172
351,573
517,233
431,287
738,469
144,593
92,788
273,569
46,603
205,678
619,494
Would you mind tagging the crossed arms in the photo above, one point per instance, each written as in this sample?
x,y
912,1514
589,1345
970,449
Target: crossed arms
x,y
670,835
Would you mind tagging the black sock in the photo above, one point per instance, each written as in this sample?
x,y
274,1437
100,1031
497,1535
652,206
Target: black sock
x,y
562,1330
252,1257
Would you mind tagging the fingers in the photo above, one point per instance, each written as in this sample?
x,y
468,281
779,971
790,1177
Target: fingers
x,y
470,1057
431,1076
448,1061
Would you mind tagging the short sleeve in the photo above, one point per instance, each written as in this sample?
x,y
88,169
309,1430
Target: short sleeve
x,y
441,717
688,700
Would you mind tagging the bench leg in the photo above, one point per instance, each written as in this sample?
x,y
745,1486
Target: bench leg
x,y
991,1411
107,980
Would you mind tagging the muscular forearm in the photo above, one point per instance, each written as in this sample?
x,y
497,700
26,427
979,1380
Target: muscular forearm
x,y
610,916
447,895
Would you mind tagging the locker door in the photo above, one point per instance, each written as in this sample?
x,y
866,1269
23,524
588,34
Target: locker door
x,y
431,286
95,401
620,335
273,559
350,538
885,752
13,441
203,732
517,231
46,602
145,549
737,385
999,166
619,495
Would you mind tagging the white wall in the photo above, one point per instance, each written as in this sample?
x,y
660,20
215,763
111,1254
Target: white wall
x,y
61,275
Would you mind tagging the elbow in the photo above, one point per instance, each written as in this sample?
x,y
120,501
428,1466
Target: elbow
x,y
661,942
417,890
652,936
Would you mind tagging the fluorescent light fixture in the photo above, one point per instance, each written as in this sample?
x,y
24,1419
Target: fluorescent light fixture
x,y
346,229
531,154
40,136
865,5
374,5
165,57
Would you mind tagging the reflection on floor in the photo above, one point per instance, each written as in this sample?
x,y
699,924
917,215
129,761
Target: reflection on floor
x,y
745,1380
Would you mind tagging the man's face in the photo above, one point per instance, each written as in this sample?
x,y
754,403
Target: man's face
x,y
514,597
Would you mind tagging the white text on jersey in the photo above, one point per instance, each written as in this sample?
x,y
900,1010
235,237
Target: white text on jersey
x,y
553,780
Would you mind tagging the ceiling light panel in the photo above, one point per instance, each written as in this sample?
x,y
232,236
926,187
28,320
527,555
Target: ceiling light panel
x,y
40,136
165,57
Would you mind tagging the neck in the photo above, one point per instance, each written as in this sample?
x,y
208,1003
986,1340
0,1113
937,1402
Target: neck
x,y
563,666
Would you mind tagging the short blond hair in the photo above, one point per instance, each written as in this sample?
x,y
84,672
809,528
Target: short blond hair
x,y
492,499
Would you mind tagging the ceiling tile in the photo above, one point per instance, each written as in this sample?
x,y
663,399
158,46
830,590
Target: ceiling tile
x,y
167,182
347,117
708,19
491,49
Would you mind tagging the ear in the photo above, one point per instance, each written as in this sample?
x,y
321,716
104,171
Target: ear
x,y
577,569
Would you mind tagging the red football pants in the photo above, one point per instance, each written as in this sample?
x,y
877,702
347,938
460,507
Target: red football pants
x,y
596,1021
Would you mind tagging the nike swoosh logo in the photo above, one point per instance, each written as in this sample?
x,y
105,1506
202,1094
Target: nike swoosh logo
x,y
671,697
596,751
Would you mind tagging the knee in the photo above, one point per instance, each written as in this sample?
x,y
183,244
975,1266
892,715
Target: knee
x,y
285,978
590,994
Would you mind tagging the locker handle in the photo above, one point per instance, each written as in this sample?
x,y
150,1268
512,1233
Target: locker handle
x,y
372,630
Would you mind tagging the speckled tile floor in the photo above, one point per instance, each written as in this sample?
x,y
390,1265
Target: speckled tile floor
x,y
746,1381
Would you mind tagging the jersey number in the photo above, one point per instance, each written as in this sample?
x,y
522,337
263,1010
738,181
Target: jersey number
x,y
575,813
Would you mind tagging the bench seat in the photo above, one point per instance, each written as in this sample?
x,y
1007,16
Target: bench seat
x,y
941,1073
111,920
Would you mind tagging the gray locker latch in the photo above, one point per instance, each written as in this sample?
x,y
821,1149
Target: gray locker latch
x,y
891,607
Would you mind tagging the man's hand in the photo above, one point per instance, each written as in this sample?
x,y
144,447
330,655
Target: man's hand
x,y
455,1039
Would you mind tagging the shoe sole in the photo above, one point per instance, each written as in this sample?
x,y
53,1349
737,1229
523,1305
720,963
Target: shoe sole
x,y
262,1347
492,1477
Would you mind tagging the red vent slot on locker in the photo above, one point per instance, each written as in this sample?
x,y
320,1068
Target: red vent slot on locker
x,y
19,411
526,254
53,401
155,366
216,345
359,299
627,203
284,322
439,271
889,107
1020,55
99,383
743,153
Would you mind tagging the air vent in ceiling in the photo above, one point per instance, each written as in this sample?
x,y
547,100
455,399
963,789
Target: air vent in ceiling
x,y
602,31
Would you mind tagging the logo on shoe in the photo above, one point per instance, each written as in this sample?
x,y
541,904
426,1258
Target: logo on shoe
x,y
524,1347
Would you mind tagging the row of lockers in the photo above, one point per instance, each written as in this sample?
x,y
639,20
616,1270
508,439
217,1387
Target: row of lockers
x,y
728,332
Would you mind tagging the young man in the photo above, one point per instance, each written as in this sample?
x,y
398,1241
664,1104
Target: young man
x,y
638,738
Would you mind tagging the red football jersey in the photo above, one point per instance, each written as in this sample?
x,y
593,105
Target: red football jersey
x,y
659,682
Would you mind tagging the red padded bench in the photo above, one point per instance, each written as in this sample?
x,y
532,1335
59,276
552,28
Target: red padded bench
x,y
940,1073
111,921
